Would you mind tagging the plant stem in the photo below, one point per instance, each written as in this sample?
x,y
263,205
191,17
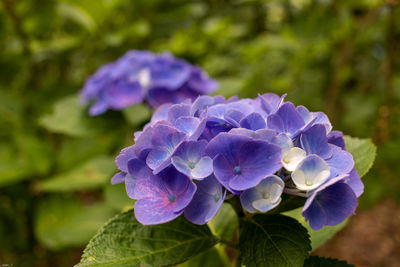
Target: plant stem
x,y
235,202
223,256
228,243
238,260
294,192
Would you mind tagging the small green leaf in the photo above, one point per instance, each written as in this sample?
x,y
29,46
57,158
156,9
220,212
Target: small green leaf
x,y
225,222
65,222
123,241
363,151
137,114
91,174
273,240
315,261
319,237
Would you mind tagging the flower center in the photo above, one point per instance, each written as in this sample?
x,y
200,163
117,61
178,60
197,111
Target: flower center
x,y
171,198
309,183
265,195
192,165
237,170
216,197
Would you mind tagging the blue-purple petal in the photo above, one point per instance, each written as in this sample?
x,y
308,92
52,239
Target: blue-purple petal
x,y
286,120
206,202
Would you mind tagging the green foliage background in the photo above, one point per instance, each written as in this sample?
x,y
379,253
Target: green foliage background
x,y
339,57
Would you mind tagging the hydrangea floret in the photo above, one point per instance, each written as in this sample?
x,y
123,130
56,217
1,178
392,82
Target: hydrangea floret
x,y
193,156
143,76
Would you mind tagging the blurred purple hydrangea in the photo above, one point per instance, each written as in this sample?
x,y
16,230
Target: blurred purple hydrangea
x,y
191,156
142,76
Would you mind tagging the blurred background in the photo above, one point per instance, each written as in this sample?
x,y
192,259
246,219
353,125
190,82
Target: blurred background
x,y
341,57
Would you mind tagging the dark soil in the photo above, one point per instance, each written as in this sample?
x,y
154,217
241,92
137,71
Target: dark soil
x,y
372,238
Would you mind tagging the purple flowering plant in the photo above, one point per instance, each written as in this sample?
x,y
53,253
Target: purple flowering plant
x,y
144,77
268,159
274,164
194,155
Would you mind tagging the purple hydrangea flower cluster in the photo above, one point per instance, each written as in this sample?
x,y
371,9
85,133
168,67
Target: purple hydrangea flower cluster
x,y
192,156
142,76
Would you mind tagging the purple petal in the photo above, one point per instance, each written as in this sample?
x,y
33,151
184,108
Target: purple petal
x,y
253,121
203,168
165,140
326,208
98,108
191,151
150,211
336,138
143,141
122,94
178,110
227,145
257,159
201,82
314,141
355,183
124,156
341,161
118,178
130,186
162,197
206,202
223,171
283,141
271,102
161,113
181,165
158,159
191,126
202,102
286,120
169,72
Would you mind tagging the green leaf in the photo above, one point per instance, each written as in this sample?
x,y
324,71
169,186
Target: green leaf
x,y
137,114
65,222
273,240
319,237
74,151
363,151
288,202
91,174
123,241
28,156
315,261
225,222
70,117
116,197
207,258
78,15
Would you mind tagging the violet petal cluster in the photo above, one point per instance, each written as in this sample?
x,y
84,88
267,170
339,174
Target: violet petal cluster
x,y
142,76
193,155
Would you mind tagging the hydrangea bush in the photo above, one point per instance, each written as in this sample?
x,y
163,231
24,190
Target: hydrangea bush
x,y
271,161
192,156
143,76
